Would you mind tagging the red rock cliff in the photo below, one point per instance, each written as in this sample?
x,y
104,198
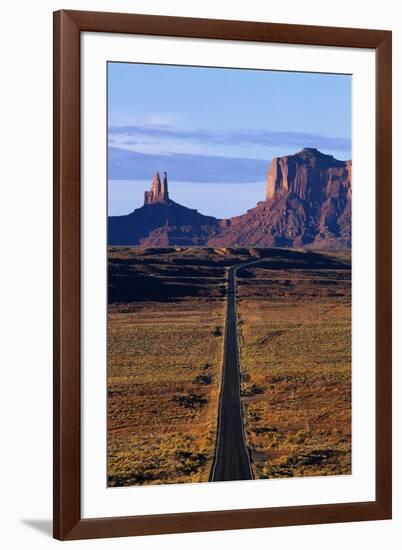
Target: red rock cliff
x,y
308,175
308,203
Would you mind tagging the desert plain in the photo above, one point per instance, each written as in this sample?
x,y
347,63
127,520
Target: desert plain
x,y
166,326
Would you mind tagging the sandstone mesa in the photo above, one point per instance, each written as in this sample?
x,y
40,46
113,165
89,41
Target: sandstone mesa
x,y
307,204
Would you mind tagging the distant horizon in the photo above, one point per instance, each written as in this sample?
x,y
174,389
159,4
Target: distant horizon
x,y
129,195
216,130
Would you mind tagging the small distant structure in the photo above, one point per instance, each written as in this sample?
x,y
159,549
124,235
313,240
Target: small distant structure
x,y
159,191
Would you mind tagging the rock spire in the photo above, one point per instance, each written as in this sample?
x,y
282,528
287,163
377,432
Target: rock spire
x,y
159,191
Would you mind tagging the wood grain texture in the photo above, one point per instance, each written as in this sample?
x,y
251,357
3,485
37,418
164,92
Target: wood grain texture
x,y
225,29
68,26
66,424
384,274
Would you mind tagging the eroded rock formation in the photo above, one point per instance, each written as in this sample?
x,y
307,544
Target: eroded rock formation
x,y
307,204
159,190
161,222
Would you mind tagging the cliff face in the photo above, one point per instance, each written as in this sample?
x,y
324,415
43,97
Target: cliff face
x,y
308,203
308,175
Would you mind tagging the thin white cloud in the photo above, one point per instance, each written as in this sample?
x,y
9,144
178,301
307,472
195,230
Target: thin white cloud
x,y
157,120
158,139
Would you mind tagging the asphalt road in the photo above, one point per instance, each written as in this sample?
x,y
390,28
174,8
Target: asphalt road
x,y
232,460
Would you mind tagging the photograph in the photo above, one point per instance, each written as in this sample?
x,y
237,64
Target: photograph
x,y
229,245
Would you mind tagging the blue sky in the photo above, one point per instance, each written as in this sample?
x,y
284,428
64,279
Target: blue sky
x,y
212,127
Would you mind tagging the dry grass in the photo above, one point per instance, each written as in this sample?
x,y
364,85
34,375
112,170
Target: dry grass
x,y
164,366
165,337
295,327
163,384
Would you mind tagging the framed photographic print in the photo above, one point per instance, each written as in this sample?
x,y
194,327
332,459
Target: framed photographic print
x,y
222,327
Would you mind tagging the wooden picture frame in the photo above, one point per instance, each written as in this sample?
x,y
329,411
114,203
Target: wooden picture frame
x,y
68,26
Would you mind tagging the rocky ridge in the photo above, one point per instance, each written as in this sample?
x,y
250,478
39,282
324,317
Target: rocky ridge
x,y
307,204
